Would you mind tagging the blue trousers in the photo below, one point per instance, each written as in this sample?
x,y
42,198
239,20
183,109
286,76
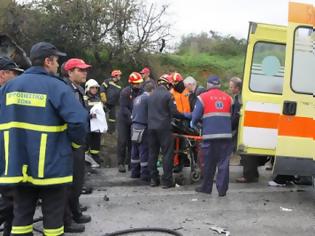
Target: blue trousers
x,y
140,157
216,156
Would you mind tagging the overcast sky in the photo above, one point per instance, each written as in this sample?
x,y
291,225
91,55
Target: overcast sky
x,y
225,16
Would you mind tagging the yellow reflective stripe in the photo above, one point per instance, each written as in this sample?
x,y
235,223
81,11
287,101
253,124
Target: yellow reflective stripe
x,y
115,85
42,182
22,229
26,99
105,85
111,120
34,127
94,151
74,145
6,151
42,155
54,232
24,173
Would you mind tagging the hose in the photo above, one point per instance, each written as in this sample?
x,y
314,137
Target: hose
x,y
138,230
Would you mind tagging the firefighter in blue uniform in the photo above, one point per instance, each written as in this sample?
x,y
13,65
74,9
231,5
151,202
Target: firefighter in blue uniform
x,y
77,72
214,108
109,92
41,120
8,70
140,144
127,96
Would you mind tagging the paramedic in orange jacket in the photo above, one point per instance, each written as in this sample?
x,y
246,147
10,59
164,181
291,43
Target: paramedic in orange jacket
x,y
181,97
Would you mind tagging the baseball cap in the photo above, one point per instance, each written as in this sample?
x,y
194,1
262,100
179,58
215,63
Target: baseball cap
x,y
76,63
7,64
215,80
43,49
145,70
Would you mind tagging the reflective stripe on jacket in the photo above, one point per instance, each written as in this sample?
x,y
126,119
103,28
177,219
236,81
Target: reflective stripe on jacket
x,y
214,108
39,118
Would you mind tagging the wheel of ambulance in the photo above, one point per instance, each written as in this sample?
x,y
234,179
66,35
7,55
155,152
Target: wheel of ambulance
x,y
195,175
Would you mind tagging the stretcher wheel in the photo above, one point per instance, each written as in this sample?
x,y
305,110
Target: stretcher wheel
x,y
195,175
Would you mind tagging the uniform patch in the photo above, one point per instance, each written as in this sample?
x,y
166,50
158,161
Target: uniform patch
x,y
219,105
26,99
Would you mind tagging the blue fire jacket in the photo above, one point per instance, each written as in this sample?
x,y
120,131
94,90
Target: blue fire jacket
x,y
39,118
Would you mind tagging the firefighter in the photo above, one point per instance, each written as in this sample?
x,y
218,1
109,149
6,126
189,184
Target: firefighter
x,y
214,108
77,73
109,92
127,95
161,110
181,96
8,71
41,120
91,98
140,148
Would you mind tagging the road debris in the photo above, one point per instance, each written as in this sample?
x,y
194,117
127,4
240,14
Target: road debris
x,y
220,230
286,209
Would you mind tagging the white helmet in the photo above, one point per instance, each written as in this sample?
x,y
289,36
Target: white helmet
x,y
90,83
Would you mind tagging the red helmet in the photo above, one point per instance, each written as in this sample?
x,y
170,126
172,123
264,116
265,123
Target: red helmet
x,y
116,73
175,78
165,78
135,78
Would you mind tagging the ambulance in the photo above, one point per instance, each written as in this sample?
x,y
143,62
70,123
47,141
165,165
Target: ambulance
x,y
278,94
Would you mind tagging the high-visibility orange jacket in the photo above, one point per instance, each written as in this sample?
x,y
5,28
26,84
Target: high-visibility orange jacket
x,y
182,100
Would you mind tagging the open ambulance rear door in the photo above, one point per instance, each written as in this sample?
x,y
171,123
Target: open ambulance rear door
x,y
262,90
295,150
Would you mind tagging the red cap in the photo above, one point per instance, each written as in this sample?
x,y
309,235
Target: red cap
x,y
145,70
76,63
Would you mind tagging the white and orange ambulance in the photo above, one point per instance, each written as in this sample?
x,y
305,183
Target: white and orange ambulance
x,y
278,112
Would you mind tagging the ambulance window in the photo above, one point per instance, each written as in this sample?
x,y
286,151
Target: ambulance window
x,y
267,69
303,65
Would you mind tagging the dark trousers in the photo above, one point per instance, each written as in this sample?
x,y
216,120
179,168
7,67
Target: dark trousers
x,y
140,157
25,200
6,209
111,119
74,191
216,155
94,144
161,139
250,167
123,142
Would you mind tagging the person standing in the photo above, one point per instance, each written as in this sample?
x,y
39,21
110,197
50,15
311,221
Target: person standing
x,y
145,72
109,92
214,108
91,99
77,73
194,90
140,144
8,70
41,120
161,110
127,96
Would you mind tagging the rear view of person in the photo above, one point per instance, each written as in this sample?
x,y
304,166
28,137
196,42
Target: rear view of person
x,y
109,92
41,120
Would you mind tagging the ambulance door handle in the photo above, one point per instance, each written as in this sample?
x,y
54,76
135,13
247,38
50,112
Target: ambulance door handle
x,y
289,108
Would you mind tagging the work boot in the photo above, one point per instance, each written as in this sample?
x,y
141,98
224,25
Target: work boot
x,y
121,168
82,219
200,190
74,228
154,182
168,185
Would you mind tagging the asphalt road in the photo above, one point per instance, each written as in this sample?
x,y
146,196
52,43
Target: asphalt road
x,y
248,209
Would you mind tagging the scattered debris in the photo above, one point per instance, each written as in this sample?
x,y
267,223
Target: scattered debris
x,y
286,209
194,199
220,230
106,198
177,185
